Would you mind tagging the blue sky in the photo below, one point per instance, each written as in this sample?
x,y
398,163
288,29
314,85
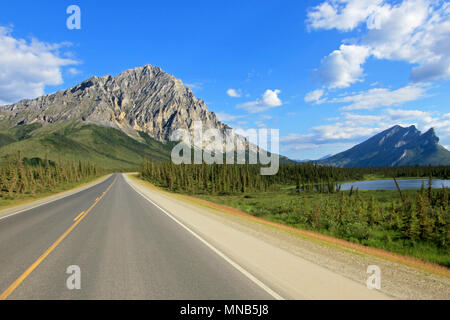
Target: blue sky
x,y
328,74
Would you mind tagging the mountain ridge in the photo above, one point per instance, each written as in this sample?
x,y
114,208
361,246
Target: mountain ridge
x,y
144,99
396,146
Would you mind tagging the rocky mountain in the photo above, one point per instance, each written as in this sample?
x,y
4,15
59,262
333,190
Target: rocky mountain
x,y
112,121
144,99
397,146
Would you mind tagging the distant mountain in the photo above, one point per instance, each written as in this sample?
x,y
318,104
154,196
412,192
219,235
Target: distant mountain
x,y
302,161
326,157
397,146
309,160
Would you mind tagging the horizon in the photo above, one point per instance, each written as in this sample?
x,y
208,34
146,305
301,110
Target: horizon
x,y
328,82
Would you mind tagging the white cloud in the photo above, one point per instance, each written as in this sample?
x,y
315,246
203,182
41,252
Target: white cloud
x,y
337,133
414,31
194,86
342,131
315,97
401,114
260,124
74,71
266,117
389,117
344,15
325,138
226,117
234,93
353,119
342,67
26,68
268,101
381,97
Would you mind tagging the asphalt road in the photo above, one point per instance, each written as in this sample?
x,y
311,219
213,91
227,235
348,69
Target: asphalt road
x,y
125,247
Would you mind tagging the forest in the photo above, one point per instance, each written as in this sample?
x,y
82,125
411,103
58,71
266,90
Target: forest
x,y
217,178
308,196
23,178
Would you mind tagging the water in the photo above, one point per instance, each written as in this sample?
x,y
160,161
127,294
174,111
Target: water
x,y
390,184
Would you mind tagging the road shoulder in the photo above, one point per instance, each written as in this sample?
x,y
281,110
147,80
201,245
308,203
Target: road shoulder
x,y
15,209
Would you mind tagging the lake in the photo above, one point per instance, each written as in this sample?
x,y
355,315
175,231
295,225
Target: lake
x,y
390,184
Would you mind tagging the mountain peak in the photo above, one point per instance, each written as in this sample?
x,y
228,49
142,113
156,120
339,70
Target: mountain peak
x,y
399,127
430,132
143,99
430,137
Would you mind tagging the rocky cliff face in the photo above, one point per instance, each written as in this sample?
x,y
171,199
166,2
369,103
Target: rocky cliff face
x,y
397,146
143,99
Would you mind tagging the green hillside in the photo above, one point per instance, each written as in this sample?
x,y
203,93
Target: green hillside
x,y
108,148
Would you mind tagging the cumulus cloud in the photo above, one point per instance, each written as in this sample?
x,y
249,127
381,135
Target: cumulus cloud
x,y
268,101
344,15
315,96
414,31
381,97
27,67
234,93
343,67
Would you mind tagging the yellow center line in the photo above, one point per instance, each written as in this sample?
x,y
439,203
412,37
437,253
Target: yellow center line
x,y
78,216
19,280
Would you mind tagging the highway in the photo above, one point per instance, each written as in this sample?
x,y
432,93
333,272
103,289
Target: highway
x,y
125,247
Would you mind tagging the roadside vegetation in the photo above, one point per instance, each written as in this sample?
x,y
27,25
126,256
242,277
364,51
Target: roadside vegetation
x,y
410,222
23,178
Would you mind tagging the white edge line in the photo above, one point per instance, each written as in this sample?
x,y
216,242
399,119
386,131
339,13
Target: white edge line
x,y
50,201
210,246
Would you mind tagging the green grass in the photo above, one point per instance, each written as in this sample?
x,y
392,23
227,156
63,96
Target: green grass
x,y
6,139
288,208
105,147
